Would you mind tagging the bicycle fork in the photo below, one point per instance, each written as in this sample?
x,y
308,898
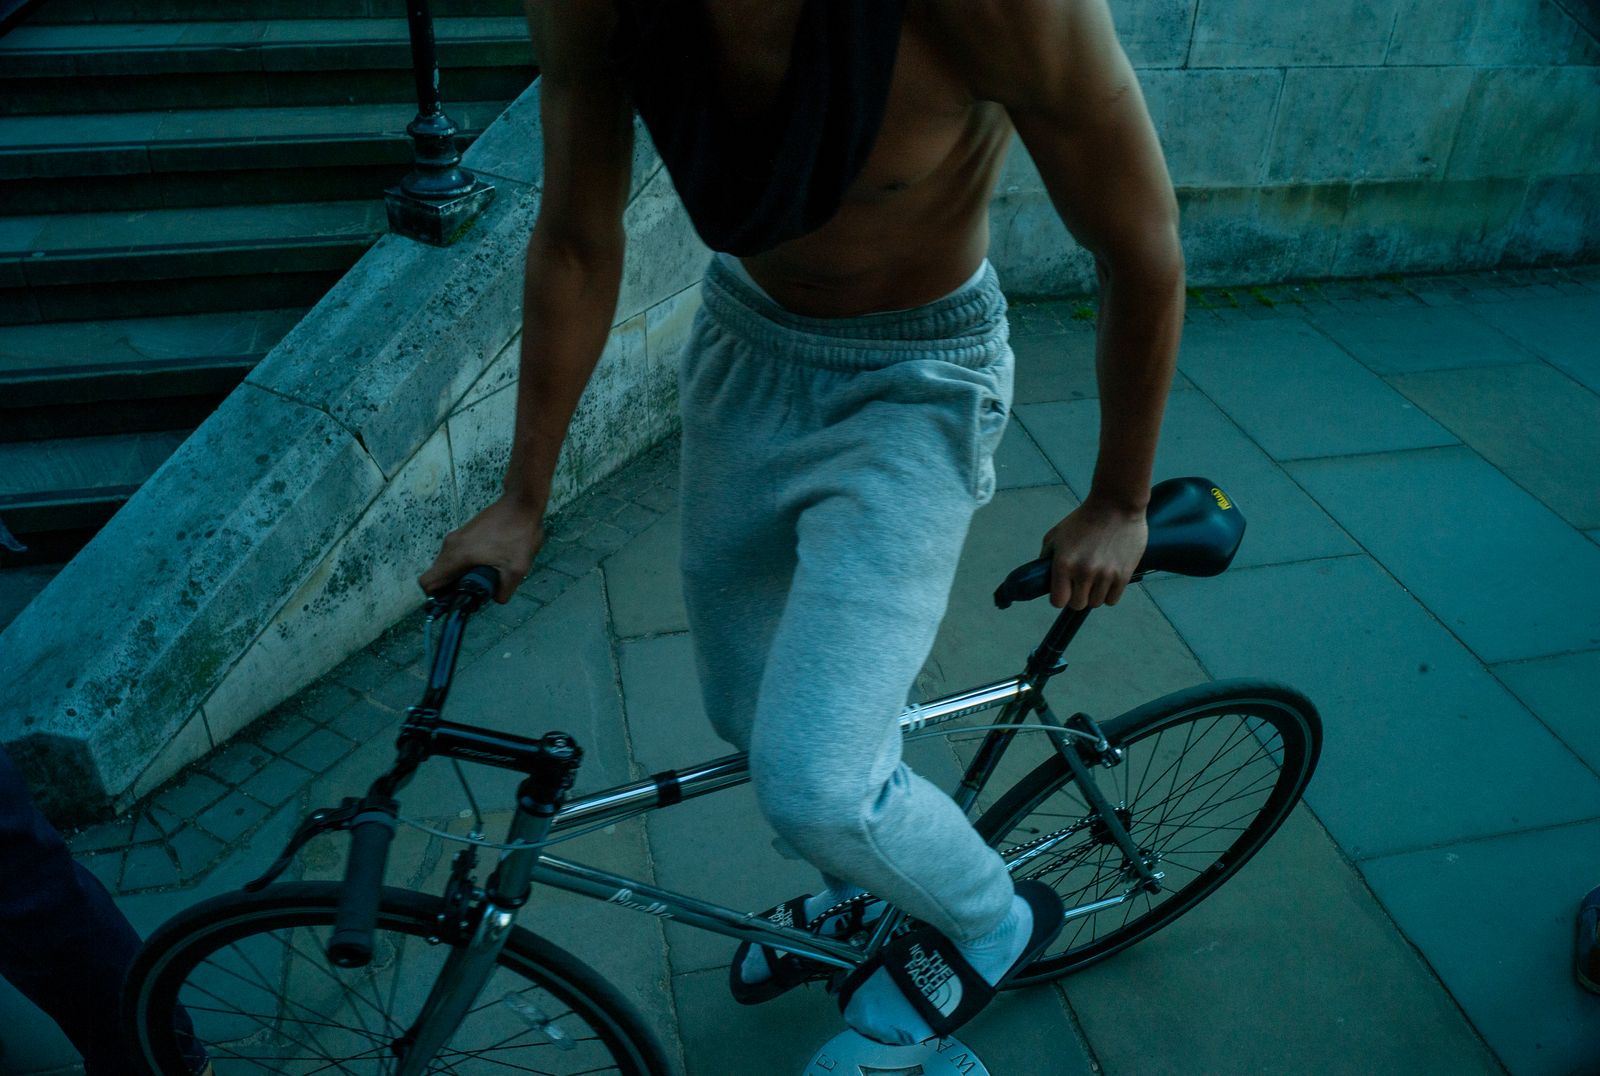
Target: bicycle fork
x,y
467,969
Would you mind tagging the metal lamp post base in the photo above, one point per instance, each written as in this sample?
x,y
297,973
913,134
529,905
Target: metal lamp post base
x,y
436,222
850,1054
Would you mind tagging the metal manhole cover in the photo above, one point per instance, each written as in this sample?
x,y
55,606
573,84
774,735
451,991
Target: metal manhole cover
x,y
850,1054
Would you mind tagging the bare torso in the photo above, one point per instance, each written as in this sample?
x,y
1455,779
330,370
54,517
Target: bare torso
x,y
914,224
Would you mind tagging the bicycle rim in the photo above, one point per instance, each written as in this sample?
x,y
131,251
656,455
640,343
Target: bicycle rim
x,y
250,971
1208,775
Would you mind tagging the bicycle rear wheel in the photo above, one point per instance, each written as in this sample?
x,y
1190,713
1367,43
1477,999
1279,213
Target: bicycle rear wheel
x,y
250,970
1208,775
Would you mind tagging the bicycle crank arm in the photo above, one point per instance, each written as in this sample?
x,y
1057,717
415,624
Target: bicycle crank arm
x,y
1149,880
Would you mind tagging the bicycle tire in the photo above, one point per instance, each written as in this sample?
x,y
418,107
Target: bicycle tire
x,y
1092,867
191,943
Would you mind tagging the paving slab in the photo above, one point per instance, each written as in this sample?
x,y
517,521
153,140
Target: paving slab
x,y
1018,461
643,583
1561,329
1292,966
1054,366
1562,691
1531,421
1411,718
1394,339
1198,439
1498,568
553,673
1494,918
1297,394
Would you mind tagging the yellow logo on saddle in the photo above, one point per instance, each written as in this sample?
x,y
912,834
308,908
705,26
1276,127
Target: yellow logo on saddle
x,y
1222,498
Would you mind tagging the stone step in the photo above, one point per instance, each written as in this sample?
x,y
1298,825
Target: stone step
x,y
72,379
53,69
82,266
213,156
76,483
81,11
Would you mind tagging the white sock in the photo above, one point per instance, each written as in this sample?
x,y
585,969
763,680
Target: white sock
x,y
754,969
879,1011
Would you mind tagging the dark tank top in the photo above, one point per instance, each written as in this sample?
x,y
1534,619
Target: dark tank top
x,y
752,183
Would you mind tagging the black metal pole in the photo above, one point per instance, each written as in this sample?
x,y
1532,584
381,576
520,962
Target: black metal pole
x,y
438,198
437,171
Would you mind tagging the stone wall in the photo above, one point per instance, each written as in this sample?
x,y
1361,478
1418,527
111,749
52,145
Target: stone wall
x,y
289,530
1343,138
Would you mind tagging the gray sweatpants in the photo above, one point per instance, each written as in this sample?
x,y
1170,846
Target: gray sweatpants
x,y
831,467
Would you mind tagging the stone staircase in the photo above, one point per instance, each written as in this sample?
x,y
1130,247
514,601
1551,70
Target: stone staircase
x,y
180,180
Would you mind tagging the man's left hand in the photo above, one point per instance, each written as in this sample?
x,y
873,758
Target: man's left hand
x,y
1093,553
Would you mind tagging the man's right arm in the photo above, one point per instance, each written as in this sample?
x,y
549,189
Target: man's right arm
x,y
574,270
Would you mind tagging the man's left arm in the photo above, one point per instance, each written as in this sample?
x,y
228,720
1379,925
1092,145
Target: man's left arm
x,y
1079,111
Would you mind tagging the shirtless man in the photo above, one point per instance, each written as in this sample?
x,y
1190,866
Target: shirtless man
x,y
840,381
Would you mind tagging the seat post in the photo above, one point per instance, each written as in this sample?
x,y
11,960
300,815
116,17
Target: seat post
x,y
1043,662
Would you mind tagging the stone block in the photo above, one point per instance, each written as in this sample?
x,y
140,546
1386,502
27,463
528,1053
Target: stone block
x,y
1529,420
667,328
1260,33
1481,33
1348,123
191,742
1155,33
502,372
319,751
1559,222
1395,339
1215,126
1556,126
1197,438
480,448
407,330
664,254
1261,233
276,782
1409,226
145,621
1299,395
644,584
1560,691
1516,582
1423,746
228,819
505,150
365,581
1291,966
1560,329
1032,252
1494,918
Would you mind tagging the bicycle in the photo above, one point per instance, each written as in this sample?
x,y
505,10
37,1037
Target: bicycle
x,y
450,983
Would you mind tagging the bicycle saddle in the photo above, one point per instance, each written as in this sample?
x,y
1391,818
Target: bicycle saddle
x,y
1195,529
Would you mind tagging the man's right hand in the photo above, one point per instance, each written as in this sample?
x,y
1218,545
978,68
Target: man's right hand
x,y
505,536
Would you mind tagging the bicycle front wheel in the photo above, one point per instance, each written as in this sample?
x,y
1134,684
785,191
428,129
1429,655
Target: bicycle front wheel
x,y
1208,775
250,971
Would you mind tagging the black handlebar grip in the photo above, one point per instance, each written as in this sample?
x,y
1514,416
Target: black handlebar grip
x,y
480,583
1024,584
370,834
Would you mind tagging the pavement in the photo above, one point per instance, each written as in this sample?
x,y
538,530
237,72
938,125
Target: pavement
x,y
1417,460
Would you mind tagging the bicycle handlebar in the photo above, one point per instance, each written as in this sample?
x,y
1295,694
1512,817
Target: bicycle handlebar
x,y
370,833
